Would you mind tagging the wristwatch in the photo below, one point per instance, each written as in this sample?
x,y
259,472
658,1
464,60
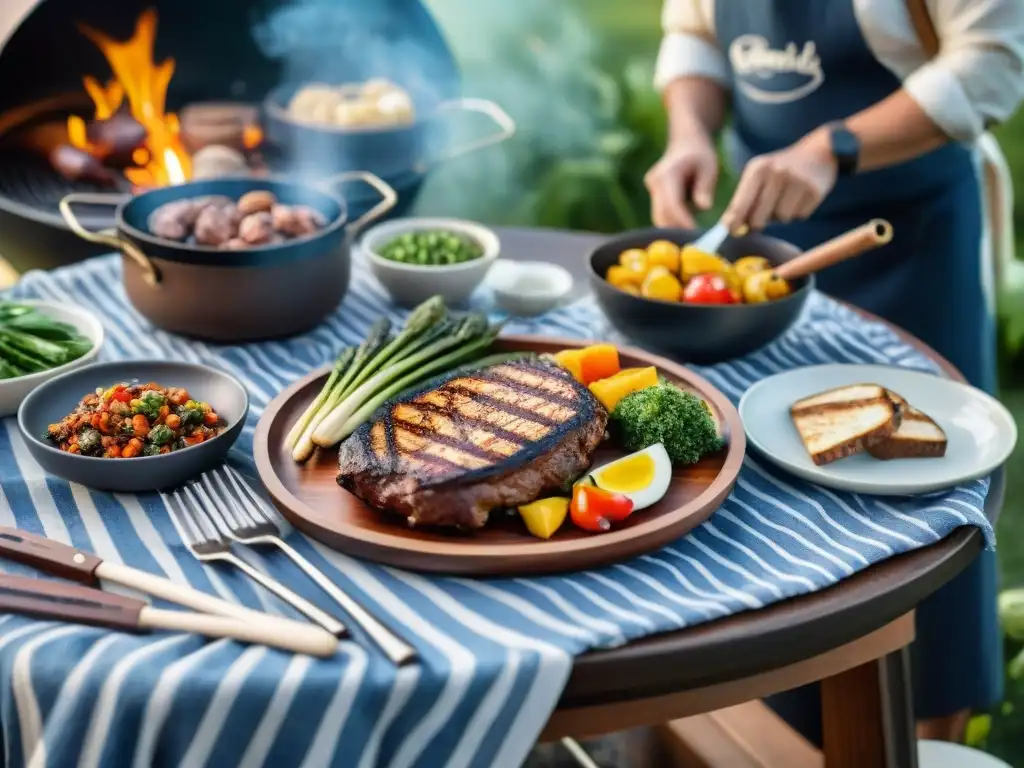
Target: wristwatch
x,y
845,148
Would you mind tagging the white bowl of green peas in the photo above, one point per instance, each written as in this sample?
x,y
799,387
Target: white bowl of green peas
x,y
417,258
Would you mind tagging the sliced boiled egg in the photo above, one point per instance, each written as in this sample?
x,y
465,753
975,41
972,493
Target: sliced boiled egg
x,y
643,476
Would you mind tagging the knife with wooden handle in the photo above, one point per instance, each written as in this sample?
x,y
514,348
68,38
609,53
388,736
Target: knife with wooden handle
x,y
84,605
67,562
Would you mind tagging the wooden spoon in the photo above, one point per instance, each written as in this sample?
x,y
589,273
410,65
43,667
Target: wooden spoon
x,y
875,233
774,283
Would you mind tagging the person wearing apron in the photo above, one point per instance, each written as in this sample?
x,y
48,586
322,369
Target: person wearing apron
x,y
837,119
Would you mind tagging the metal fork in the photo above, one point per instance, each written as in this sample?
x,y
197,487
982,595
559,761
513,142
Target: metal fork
x,y
197,522
249,521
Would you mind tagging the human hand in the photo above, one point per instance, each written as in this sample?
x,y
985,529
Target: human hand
x,y
783,186
687,171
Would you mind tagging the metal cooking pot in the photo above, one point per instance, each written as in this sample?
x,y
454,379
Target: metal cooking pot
x,y
386,152
263,292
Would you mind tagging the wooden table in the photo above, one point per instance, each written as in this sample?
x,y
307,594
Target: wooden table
x,y
853,637
696,683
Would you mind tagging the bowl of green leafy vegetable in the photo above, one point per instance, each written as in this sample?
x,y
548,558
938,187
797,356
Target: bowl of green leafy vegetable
x,y
417,258
39,340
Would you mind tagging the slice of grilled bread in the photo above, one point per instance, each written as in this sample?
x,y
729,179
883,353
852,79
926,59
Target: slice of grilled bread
x,y
844,421
918,436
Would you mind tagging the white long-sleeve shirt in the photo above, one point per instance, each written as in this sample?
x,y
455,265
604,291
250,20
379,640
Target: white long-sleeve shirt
x,y
976,80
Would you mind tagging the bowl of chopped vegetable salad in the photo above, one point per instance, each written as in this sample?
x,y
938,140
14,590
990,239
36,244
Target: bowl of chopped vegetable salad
x,y
417,258
40,340
133,425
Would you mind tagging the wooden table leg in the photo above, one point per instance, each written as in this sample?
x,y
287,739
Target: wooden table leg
x,y
867,715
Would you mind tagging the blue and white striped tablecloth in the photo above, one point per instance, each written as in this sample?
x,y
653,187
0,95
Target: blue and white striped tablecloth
x,y
496,654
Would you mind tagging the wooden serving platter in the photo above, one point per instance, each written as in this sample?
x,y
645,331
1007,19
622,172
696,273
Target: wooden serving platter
x,y
310,498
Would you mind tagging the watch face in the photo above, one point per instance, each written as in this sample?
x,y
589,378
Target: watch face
x,y
846,148
844,142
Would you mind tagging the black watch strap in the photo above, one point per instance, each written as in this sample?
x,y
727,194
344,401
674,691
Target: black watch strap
x,y
845,148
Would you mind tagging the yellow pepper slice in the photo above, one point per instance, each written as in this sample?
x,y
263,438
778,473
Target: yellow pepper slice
x,y
598,361
544,516
572,361
611,390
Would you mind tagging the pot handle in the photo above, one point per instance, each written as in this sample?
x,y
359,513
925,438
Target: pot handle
x,y
149,271
506,129
388,195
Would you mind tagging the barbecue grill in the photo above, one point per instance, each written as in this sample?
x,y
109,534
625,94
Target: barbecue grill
x,y
221,53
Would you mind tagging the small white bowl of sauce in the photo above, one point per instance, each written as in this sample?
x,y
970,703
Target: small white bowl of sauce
x,y
528,288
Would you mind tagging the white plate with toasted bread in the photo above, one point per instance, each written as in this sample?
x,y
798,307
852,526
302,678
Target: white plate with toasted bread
x,y
877,429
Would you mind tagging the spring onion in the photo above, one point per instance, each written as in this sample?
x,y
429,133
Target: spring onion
x,y
331,429
422,319
476,344
384,365
301,439
378,348
340,366
496,359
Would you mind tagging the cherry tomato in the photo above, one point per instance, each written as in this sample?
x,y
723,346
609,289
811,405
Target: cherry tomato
x,y
595,509
709,289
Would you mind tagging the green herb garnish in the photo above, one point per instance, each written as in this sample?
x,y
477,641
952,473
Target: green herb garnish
x,y
191,413
160,434
148,404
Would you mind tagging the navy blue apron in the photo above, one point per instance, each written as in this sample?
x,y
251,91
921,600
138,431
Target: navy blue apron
x,y
798,64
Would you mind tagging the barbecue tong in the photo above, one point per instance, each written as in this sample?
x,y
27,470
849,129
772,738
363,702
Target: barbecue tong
x,y
211,616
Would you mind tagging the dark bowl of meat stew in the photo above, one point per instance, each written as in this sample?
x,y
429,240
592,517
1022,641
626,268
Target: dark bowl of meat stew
x,y
133,426
235,259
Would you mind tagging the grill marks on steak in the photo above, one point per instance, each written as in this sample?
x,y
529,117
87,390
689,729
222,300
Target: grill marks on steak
x,y
468,443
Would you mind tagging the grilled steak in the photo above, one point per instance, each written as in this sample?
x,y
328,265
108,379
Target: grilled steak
x,y
467,443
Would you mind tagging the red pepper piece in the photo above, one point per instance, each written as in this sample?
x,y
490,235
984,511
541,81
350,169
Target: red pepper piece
x,y
595,509
122,394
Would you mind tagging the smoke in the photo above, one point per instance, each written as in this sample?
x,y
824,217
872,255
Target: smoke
x,y
537,59
332,41
534,58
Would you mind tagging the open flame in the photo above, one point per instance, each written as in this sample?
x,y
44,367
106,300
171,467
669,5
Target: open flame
x,y
162,159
